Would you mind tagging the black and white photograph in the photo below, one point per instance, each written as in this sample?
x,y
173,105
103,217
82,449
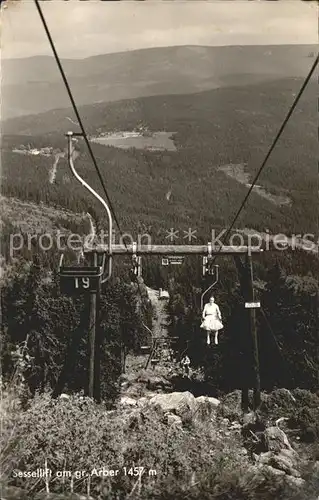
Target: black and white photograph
x,y
159,250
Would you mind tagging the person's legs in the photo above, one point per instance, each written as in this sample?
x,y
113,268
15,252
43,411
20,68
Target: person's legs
x,y
216,337
208,337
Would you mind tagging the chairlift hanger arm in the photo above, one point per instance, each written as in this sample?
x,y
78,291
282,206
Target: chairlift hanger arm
x,y
99,198
210,286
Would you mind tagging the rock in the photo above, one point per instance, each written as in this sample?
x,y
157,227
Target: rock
x,y
285,460
290,455
252,422
249,418
212,402
286,455
134,391
172,419
13,493
206,407
296,481
281,421
285,394
251,479
64,396
263,458
126,401
230,406
279,402
255,477
111,413
135,419
155,383
275,439
235,426
61,496
232,399
142,401
182,404
282,463
150,395
243,452
272,470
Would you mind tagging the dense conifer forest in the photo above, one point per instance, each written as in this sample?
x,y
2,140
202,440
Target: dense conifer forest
x,y
44,332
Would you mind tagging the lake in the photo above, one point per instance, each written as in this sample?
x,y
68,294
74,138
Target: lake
x,y
156,141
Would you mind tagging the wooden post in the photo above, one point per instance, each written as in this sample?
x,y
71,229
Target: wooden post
x,y
317,323
69,361
123,358
243,278
92,332
253,332
153,350
98,353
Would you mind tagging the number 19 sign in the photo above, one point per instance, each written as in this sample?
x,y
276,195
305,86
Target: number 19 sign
x,y
77,280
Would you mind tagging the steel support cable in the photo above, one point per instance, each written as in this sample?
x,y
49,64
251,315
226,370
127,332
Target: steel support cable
x,y
276,342
67,86
273,145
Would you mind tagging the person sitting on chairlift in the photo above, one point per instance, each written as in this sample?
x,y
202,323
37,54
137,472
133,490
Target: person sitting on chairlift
x,y
185,364
212,320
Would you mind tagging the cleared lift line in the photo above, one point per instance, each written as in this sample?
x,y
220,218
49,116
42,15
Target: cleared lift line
x,y
205,250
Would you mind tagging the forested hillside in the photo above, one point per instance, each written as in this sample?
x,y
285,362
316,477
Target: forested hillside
x,y
50,327
211,129
287,324
201,446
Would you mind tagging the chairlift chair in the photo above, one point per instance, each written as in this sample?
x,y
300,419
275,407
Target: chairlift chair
x,y
81,279
211,270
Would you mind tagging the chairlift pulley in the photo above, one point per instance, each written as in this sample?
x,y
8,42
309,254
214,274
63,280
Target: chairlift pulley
x,y
136,262
209,269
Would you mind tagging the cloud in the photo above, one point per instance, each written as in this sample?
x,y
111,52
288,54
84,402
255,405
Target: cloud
x,y
81,29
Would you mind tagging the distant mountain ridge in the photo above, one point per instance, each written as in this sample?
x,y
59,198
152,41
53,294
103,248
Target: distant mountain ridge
x,y
217,110
33,85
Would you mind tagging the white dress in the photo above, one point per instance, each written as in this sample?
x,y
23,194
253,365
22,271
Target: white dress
x,y
212,319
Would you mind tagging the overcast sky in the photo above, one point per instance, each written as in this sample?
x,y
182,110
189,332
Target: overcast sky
x,y
82,29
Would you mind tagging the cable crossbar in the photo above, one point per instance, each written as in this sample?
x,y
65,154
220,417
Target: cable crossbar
x,y
176,249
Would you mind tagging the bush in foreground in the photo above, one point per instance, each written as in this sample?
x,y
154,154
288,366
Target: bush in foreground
x,y
76,434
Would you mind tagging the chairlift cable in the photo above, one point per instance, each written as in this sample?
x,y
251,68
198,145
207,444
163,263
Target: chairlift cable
x,y
267,322
67,86
274,143
65,81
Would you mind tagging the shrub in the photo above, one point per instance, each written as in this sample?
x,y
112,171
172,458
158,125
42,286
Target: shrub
x,y
307,420
77,434
55,327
